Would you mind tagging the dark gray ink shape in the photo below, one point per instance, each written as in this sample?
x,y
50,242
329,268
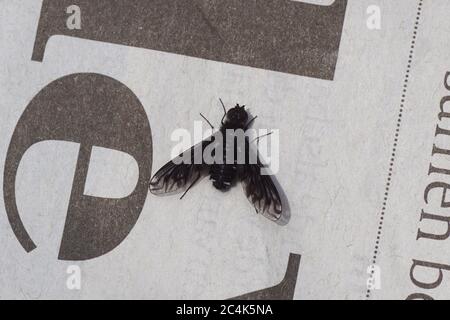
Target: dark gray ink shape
x,y
92,110
284,290
280,35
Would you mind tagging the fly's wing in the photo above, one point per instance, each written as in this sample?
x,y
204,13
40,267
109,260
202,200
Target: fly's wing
x,y
181,172
260,189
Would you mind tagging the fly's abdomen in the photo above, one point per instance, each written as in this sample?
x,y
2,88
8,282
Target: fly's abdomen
x,y
222,176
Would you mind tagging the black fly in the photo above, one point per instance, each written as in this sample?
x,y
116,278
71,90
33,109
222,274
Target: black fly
x,y
183,175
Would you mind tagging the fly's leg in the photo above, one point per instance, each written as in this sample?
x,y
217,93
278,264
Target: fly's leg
x,y
250,123
224,110
260,137
212,127
192,184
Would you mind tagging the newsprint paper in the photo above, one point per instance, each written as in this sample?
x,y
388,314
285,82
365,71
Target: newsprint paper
x,y
354,98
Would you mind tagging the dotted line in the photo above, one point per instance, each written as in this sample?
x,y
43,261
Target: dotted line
x,y
396,140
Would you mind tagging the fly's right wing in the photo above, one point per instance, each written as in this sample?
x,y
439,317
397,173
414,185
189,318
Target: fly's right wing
x,y
260,189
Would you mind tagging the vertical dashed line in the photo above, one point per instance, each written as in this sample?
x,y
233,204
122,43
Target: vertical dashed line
x,y
396,141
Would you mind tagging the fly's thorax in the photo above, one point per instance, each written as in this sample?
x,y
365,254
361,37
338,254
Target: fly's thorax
x,y
236,117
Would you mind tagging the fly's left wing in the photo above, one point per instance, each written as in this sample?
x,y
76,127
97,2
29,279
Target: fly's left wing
x,y
181,172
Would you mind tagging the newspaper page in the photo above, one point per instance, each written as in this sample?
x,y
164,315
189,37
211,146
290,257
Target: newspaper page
x,y
352,99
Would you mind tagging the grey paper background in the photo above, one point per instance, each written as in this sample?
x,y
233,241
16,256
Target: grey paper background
x,y
336,141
